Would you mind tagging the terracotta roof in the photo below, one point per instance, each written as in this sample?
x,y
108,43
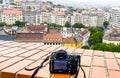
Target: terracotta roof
x,y
12,11
60,13
82,33
15,56
36,28
52,36
56,37
69,40
29,37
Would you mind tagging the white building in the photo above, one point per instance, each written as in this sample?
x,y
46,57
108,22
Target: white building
x,y
93,20
9,16
86,19
52,19
100,19
66,32
107,16
115,18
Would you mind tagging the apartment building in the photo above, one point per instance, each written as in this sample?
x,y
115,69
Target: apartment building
x,y
32,17
9,16
85,19
100,19
93,20
46,17
115,18
61,18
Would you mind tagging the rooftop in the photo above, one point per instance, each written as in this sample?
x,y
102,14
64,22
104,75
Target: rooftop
x,y
112,35
15,56
60,13
29,37
69,40
50,37
12,11
53,30
36,28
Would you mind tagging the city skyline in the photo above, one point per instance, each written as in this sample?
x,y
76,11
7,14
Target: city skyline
x,y
85,3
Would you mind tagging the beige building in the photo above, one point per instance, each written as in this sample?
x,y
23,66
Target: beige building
x,y
9,16
61,18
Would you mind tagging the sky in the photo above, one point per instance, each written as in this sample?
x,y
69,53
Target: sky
x,y
85,0
88,2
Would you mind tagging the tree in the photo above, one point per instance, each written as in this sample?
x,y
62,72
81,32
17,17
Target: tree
x,y
29,7
19,24
51,3
53,25
95,29
105,24
106,47
86,47
67,24
95,38
2,24
78,25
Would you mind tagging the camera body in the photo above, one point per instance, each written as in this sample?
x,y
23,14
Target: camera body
x,y
61,62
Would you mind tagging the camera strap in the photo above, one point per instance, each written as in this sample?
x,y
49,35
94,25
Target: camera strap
x,y
38,67
83,71
81,67
41,65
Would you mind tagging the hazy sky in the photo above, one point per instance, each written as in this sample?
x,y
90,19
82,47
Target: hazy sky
x,y
86,0
101,2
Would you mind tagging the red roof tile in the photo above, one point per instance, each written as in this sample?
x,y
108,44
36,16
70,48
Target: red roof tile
x,y
114,74
86,61
98,61
98,72
95,63
109,55
98,53
112,64
52,37
87,72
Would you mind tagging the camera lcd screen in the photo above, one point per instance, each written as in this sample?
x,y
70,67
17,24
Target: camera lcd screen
x,y
60,65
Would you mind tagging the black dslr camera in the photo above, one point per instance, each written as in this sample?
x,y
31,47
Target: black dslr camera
x,y
61,62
